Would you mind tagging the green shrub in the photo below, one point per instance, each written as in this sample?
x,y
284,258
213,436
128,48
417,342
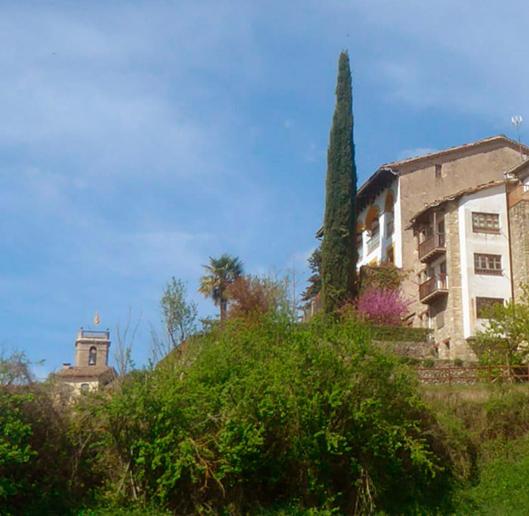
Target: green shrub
x,y
275,412
400,333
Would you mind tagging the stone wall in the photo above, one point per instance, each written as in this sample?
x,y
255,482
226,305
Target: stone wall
x,y
83,349
519,238
417,350
419,186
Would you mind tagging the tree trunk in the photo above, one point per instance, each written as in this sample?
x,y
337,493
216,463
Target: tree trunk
x,y
223,309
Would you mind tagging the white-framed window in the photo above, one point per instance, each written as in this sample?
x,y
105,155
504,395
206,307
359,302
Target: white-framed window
x,y
485,304
487,264
485,222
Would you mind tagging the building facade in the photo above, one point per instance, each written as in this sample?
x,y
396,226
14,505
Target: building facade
x,y
457,223
91,370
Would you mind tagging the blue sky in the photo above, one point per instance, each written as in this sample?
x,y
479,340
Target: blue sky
x,y
139,138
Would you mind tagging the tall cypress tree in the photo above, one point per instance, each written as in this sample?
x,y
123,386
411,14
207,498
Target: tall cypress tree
x,y
339,255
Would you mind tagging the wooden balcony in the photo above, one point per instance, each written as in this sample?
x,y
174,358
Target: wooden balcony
x,y
373,243
432,288
432,247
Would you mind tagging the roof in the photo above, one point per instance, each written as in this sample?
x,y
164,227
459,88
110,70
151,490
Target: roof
x,y
388,171
73,373
515,171
458,148
454,197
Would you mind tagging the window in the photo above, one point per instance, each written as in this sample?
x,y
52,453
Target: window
x,y
487,264
92,356
485,222
85,387
438,173
484,305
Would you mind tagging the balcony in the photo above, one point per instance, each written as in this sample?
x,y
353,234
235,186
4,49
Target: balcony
x,y
432,247
432,288
373,242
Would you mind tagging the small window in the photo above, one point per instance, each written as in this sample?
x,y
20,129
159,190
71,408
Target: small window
x,y
485,222
487,264
485,304
85,387
92,356
438,171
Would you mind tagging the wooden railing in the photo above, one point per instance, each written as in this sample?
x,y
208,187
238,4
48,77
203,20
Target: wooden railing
x,y
373,242
431,285
436,241
473,374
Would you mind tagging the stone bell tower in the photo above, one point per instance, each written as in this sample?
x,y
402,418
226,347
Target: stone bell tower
x,y
91,348
91,370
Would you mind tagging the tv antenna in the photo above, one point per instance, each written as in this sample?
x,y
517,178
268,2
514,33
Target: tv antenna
x,y
517,120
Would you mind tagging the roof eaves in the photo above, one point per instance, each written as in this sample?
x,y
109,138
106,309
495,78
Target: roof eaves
x,y
453,197
457,148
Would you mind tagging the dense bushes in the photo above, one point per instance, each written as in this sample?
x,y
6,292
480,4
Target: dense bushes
x,y
275,411
264,417
47,465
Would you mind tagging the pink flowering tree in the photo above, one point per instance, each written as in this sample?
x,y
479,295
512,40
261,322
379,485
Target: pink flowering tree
x,y
382,306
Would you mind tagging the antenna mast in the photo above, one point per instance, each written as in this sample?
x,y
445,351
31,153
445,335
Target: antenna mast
x,y
517,120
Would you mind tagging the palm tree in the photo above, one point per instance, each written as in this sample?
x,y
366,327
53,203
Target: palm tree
x,y
220,273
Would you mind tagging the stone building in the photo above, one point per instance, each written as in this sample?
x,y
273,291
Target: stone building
x,y
457,222
91,370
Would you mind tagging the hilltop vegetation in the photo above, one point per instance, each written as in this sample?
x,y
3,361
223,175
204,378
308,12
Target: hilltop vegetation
x,y
263,416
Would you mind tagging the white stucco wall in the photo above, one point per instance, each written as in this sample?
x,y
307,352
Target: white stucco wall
x,y
491,200
76,386
379,253
397,235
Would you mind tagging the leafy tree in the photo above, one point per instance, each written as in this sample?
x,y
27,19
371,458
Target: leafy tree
x,y
255,296
314,286
338,254
505,338
15,449
15,369
179,314
382,306
384,276
220,273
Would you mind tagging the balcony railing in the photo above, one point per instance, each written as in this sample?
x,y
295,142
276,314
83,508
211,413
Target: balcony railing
x,y
432,246
432,287
373,242
93,334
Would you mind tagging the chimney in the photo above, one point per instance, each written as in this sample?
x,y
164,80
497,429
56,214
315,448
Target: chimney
x,y
67,365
